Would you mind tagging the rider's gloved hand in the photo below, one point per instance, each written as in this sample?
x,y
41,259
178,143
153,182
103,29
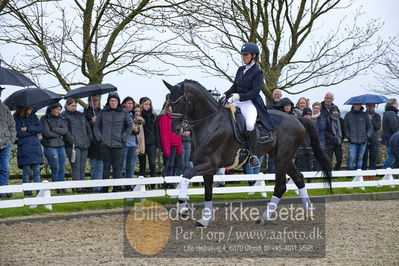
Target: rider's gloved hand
x,y
234,97
222,98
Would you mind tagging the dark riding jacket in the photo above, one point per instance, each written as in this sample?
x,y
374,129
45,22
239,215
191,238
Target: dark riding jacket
x,y
248,86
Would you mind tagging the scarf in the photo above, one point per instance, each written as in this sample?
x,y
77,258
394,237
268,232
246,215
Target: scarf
x,y
316,116
336,127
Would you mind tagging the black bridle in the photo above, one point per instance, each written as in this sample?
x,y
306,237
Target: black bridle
x,y
187,123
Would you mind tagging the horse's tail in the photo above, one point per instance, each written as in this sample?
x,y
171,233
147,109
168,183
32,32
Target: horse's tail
x,y
320,154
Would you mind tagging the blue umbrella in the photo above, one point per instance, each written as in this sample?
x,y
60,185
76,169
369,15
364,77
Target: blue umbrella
x,y
367,98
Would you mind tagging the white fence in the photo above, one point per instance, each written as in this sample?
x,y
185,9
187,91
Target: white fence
x,y
44,197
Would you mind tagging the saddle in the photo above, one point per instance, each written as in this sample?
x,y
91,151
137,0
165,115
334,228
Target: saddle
x,y
237,121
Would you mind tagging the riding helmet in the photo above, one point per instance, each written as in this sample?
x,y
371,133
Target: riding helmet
x,y
250,48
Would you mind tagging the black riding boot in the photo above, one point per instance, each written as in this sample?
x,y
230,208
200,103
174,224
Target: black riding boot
x,y
253,160
264,135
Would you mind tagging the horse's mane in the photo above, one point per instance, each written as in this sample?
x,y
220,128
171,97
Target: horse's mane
x,y
202,88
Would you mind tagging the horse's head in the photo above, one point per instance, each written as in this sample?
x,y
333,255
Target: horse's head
x,y
191,103
179,101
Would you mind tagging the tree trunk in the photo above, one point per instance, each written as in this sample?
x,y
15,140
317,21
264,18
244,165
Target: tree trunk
x,y
271,81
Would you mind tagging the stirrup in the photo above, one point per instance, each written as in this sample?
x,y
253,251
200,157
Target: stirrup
x,y
254,161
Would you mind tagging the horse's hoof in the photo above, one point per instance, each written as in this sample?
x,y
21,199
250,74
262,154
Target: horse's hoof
x,y
198,224
183,209
311,218
260,221
184,214
202,223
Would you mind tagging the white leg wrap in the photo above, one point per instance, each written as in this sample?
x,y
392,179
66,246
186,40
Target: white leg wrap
x,y
271,207
303,192
207,215
183,188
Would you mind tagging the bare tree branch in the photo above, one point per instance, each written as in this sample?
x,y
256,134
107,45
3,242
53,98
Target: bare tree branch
x,y
387,71
80,42
284,30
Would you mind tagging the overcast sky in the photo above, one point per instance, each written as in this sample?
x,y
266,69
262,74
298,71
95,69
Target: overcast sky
x,y
137,87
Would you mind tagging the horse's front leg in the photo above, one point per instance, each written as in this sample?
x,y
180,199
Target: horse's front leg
x,y
207,213
183,207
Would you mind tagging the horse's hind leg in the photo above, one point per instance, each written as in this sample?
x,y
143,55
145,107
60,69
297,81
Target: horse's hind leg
x,y
299,181
207,213
279,189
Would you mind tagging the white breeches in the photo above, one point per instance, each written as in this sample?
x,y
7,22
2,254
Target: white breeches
x,y
248,110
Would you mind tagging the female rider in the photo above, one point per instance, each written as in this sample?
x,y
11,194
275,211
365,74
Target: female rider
x,y
245,93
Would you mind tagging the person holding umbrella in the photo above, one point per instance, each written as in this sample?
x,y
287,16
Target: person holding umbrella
x,y
94,153
112,128
370,155
390,123
7,138
77,140
357,128
30,154
93,91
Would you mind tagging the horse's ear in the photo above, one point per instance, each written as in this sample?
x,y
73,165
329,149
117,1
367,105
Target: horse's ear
x,y
181,87
170,87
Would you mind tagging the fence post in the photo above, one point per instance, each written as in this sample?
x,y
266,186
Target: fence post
x,y
259,183
358,178
140,188
45,193
388,177
178,188
221,171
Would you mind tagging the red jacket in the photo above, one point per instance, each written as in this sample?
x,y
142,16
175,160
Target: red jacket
x,y
168,138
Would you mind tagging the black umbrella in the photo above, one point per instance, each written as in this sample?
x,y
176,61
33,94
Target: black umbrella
x,y
12,77
33,97
89,90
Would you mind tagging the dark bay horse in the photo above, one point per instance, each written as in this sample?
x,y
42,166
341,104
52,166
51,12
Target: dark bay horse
x,y
214,145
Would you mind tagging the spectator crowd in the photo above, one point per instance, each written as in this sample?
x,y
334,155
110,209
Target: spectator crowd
x,y
112,138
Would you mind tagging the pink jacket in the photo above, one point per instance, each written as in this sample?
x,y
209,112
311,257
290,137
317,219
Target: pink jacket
x,y
168,138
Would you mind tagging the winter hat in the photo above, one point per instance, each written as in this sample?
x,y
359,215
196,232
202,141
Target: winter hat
x,y
52,106
113,94
285,101
306,111
334,108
